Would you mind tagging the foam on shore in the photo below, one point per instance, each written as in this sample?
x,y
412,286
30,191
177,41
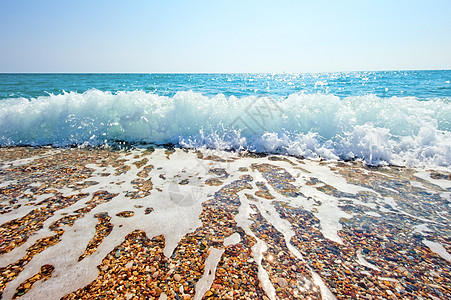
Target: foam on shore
x,y
397,130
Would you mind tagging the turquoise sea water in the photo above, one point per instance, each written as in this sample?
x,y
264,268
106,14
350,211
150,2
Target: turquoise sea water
x,y
420,84
399,117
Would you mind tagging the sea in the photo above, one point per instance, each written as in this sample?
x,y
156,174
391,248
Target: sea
x,y
394,117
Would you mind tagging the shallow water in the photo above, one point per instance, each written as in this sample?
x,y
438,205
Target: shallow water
x,y
88,223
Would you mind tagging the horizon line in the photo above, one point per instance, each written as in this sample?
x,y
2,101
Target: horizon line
x,y
217,73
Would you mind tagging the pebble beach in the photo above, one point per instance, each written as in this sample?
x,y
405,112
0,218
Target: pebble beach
x,y
171,223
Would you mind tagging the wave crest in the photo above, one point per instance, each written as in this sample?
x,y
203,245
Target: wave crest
x,y
397,130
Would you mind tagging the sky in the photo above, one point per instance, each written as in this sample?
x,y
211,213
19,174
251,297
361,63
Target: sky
x,y
178,36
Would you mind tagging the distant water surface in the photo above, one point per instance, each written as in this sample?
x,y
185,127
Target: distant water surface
x,y
420,84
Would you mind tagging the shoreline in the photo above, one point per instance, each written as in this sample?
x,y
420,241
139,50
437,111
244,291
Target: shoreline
x,y
127,146
206,223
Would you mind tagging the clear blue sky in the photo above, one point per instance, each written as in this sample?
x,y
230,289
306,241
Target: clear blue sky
x,y
223,36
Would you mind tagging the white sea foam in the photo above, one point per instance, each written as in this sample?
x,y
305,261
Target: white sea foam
x,y
438,249
403,131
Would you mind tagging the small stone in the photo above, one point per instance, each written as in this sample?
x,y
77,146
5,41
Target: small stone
x,y
27,285
177,277
282,282
208,294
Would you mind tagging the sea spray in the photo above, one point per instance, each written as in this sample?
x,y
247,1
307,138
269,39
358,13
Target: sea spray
x,y
396,130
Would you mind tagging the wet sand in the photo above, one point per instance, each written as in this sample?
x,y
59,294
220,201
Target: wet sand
x,y
184,224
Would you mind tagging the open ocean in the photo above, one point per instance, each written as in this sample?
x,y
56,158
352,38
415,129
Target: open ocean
x,y
397,117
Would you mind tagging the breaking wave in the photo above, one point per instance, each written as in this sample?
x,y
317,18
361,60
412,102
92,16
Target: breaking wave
x,y
397,130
